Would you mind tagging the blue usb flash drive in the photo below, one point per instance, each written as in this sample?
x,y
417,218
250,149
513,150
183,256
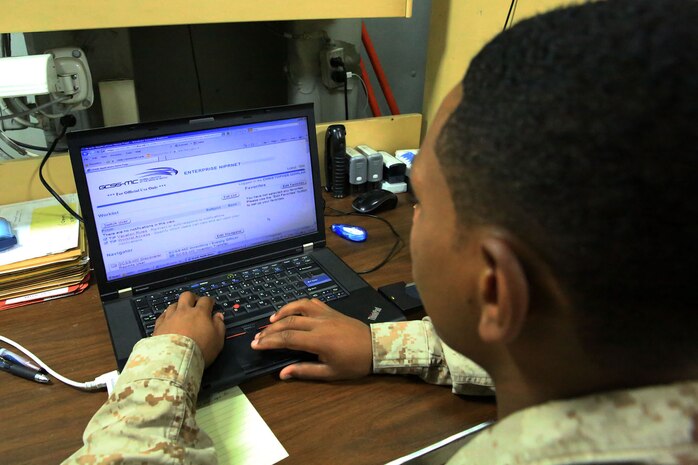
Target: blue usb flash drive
x,y
350,232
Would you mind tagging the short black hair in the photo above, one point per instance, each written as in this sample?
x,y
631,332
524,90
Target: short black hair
x,y
577,132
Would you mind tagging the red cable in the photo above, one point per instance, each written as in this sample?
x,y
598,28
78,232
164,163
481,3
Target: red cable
x,y
382,79
372,102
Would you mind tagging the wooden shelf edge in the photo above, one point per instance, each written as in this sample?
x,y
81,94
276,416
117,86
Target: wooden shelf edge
x,y
43,15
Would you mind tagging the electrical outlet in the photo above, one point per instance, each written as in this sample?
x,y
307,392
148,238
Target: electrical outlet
x,y
326,68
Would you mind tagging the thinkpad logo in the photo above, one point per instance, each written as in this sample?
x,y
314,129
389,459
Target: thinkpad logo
x,y
374,313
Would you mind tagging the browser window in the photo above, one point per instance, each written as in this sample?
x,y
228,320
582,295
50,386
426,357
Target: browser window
x,y
172,199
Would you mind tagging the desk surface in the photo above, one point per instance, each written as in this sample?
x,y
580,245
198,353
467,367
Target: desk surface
x,y
372,420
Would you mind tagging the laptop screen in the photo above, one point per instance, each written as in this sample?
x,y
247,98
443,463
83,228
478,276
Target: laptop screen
x,y
162,201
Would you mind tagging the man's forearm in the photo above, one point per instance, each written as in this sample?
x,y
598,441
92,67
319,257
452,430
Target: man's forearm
x,y
149,417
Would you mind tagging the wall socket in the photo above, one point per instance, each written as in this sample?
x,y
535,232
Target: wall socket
x,y
326,67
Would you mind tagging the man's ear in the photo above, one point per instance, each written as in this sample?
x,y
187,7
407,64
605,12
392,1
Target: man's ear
x,y
504,293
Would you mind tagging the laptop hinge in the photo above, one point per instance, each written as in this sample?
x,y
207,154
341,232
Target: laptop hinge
x,y
128,292
308,247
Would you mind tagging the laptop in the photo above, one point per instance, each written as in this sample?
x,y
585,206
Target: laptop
x,y
229,206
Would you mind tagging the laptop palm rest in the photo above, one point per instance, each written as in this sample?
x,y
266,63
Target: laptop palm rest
x,y
238,362
224,372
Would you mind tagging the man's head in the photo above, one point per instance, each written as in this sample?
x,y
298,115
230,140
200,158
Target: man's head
x,y
574,141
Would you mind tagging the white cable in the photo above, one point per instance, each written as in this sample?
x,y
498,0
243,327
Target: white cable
x,y
4,108
36,109
68,109
351,75
10,143
22,151
98,383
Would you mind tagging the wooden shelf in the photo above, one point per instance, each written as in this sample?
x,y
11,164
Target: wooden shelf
x,y
47,15
390,133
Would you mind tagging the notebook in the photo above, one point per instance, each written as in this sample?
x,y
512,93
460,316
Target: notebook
x,y
228,205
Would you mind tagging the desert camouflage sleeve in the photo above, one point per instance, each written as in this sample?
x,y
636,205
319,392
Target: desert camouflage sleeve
x,y
149,417
413,347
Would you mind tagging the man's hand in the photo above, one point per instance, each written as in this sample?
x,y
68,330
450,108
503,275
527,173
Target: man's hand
x,y
342,343
191,317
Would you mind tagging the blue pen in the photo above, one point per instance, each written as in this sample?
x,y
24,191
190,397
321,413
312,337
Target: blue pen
x,y
12,357
22,371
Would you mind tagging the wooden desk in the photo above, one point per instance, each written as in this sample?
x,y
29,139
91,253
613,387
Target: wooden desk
x,y
372,420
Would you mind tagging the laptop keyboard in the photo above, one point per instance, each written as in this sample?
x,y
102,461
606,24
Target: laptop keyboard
x,y
248,295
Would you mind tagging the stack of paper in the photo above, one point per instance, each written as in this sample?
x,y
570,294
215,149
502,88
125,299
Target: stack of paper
x,y
50,259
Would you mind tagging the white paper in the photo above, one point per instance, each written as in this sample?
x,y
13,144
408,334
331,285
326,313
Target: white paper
x,y
239,433
39,295
42,227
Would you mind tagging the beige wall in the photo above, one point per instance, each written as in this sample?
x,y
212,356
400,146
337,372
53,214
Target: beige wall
x,y
458,30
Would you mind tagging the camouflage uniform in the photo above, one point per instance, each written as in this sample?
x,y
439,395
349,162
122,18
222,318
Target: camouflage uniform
x,y
413,348
149,417
654,425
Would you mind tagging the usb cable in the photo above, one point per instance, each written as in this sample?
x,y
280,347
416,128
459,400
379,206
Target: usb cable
x,y
107,380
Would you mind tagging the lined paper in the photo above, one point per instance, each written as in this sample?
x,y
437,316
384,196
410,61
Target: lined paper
x,y
239,433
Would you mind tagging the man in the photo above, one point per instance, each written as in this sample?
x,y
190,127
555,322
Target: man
x,y
553,244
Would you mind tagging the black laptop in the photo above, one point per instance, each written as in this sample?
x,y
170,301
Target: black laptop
x,y
229,206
